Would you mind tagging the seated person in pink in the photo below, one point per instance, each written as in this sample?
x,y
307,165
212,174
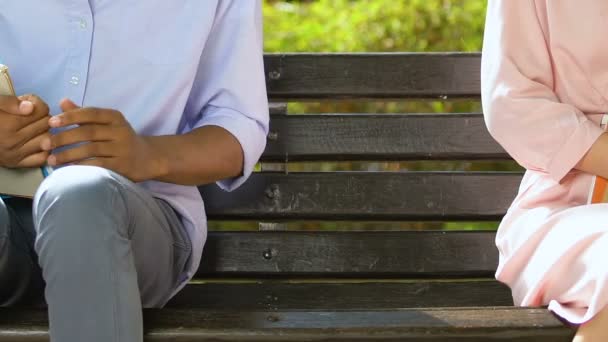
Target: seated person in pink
x,y
545,91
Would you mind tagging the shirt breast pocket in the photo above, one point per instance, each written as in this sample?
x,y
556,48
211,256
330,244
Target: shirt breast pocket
x,y
161,32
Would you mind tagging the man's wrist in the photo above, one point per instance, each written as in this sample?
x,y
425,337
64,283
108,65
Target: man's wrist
x,y
158,166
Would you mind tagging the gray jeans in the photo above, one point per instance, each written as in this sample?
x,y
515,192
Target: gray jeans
x,y
104,247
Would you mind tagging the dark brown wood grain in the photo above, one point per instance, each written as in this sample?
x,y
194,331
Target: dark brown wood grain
x,y
373,75
367,196
457,324
380,137
346,295
350,254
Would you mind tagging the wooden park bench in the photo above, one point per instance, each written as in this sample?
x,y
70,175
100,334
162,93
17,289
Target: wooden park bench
x,y
280,284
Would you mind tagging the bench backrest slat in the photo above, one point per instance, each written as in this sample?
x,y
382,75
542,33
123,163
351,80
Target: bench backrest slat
x,y
349,254
366,195
374,75
380,137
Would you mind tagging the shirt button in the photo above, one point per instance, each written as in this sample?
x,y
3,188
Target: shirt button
x,y
83,24
75,80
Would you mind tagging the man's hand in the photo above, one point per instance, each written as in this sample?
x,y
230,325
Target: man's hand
x,y
108,141
23,125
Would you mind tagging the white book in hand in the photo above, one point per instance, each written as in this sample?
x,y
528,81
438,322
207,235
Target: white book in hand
x,y
18,182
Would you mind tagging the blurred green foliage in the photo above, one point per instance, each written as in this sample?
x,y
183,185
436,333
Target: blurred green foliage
x,y
374,25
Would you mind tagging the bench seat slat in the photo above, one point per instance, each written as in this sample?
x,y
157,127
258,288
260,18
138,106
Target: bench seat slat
x,y
366,196
307,76
457,324
350,254
288,295
380,137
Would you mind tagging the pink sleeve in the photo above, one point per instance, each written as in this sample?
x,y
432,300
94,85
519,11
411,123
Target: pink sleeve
x,y
522,111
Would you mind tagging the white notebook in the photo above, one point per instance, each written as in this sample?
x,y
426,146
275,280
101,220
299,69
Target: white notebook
x,y
18,182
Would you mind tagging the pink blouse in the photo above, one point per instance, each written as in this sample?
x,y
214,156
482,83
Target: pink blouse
x,y
544,90
544,73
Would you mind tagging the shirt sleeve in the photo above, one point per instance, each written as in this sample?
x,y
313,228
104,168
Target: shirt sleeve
x,y
230,82
522,111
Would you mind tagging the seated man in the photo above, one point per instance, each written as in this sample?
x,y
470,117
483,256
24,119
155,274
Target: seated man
x,y
135,103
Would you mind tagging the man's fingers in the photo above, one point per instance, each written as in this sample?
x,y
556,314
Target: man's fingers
x,y
41,109
32,130
82,152
34,160
15,106
84,116
33,145
85,133
67,105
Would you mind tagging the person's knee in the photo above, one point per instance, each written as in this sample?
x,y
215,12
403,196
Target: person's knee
x,y
74,200
75,187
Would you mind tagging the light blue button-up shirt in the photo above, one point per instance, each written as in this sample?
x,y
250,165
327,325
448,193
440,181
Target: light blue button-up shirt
x,y
169,66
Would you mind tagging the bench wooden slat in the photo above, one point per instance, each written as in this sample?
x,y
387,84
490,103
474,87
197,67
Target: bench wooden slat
x,y
366,195
372,75
355,295
350,254
458,324
380,137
